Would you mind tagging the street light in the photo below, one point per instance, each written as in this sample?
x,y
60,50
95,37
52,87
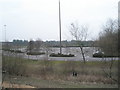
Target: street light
x,y
5,31
60,27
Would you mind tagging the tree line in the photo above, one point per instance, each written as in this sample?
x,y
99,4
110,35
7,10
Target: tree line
x,y
54,43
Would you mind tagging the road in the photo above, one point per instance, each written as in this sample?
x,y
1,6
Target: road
x,y
71,50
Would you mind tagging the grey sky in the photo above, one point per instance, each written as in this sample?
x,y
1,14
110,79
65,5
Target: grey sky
x,y
32,19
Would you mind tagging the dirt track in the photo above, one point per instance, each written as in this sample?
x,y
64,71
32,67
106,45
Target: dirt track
x,y
8,85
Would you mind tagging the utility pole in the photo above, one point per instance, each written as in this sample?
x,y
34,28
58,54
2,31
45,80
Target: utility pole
x,y
60,27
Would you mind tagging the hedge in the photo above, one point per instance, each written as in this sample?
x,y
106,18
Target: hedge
x,y
35,53
61,55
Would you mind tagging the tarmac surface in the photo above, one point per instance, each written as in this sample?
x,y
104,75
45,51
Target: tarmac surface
x,y
69,50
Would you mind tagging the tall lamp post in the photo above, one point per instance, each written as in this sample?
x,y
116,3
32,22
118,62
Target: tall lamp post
x,y
5,42
60,27
5,31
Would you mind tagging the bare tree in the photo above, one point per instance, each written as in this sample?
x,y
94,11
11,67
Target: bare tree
x,y
80,34
34,45
108,42
30,46
108,38
38,44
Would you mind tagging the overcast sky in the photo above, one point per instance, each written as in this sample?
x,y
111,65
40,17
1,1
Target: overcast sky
x,y
32,19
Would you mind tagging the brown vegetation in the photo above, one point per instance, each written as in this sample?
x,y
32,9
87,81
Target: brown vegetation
x,y
89,73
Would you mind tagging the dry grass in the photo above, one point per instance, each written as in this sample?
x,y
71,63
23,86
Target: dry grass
x,y
9,85
91,72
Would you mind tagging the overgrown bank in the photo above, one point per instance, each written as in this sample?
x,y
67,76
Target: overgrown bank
x,y
60,71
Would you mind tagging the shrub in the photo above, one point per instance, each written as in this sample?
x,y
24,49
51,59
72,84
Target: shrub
x,y
35,53
14,66
103,55
61,55
11,50
18,51
6,49
98,55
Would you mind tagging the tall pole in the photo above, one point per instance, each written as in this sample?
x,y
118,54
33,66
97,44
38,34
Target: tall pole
x,y
5,31
60,27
